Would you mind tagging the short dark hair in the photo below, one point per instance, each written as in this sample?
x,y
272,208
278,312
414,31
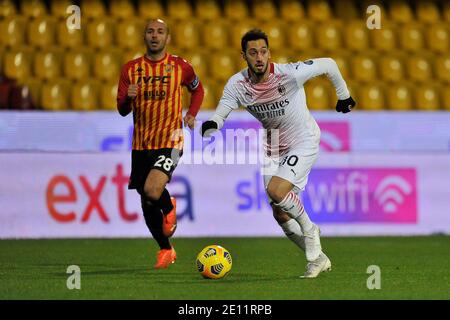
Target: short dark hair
x,y
251,35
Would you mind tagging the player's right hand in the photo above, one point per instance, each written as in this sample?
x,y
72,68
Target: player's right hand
x,y
208,127
133,90
346,105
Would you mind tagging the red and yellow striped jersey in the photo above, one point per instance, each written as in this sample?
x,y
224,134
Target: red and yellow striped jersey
x,y
157,109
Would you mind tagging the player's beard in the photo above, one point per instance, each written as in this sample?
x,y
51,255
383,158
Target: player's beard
x,y
259,73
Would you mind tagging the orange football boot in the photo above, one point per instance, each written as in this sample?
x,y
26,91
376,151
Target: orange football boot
x,y
165,258
170,220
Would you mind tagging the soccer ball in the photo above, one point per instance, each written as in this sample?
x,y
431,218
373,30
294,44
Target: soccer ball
x,y
214,262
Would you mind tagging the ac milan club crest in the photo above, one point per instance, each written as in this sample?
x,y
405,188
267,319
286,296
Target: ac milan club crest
x,y
281,90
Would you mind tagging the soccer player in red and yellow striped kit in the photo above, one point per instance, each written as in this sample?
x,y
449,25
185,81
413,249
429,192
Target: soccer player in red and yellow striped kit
x,y
151,88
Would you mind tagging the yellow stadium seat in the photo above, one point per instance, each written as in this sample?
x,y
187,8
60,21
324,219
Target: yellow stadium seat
x,y
108,96
291,10
301,36
100,33
185,35
328,35
419,67
92,9
150,9
131,54
445,97
310,54
281,56
58,8
400,11
346,9
35,88
208,10
446,11
17,63
12,30
55,95
131,34
224,65
364,68
33,8
41,31
353,88
47,64
264,10
384,39
210,99
238,29
69,38
199,61
427,97
214,34
77,64
442,67
122,9
319,10
7,8
179,10
391,67
318,94
356,35
411,37
107,64
342,59
427,11
84,95
400,96
437,37
275,31
236,10
371,97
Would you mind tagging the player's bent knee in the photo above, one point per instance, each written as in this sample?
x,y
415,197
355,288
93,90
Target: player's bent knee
x,y
152,192
276,193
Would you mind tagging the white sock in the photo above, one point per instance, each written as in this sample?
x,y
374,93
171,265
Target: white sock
x,y
293,207
293,231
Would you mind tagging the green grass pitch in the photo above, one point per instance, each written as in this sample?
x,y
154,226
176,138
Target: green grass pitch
x,y
263,268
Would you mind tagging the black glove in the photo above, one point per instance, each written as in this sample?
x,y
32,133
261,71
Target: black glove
x,y
346,105
208,125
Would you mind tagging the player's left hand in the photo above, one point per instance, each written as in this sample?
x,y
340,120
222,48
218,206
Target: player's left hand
x,y
189,121
346,105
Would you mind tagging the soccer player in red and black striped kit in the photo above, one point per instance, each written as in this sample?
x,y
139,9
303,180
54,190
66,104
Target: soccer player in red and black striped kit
x,y
151,88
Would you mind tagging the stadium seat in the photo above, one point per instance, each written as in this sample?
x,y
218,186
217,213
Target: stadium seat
x,y
34,85
131,54
411,37
442,67
210,99
391,67
445,97
427,12
275,31
130,34
363,68
214,34
12,30
446,11
342,58
199,61
236,10
150,9
224,65
281,56
346,10
427,97
208,10
121,9
107,64
399,96
7,8
318,94
69,38
17,63
55,95
301,36
179,10
84,95
58,8
238,29
47,64
319,10
108,96
186,35
264,10
100,33
437,37
41,31
371,97
33,8
291,10
400,11
92,9
384,39
77,64
356,35
419,67
328,35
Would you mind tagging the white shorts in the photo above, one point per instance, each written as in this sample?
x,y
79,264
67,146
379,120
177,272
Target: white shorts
x,y
294,167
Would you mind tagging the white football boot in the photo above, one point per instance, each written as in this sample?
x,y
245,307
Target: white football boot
x,y
312,243
313,268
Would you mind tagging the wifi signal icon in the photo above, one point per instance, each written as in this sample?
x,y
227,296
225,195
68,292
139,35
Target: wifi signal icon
x,y
330,142
391,192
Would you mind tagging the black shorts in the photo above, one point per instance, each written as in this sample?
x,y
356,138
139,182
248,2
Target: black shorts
x,y
142,161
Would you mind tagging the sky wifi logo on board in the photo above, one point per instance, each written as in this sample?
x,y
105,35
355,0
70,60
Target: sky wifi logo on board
x,y
362,195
